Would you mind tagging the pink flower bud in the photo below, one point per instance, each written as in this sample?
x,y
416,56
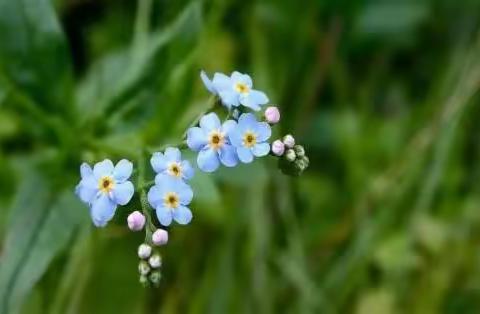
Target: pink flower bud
x,y
272,115
289,141
278,148
136,221
160,237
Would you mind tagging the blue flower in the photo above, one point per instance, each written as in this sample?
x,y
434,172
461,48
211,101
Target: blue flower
x,y
105,187
170,198
249,138
212,142
171,164
235,90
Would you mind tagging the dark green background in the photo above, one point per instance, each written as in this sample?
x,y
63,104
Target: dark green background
x,y
383,95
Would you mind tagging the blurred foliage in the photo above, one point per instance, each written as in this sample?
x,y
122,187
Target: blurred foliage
x,y
383,93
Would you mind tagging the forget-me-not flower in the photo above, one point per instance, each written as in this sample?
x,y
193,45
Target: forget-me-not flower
x,y
249,137
171,164
170,198
211,140
235,90
105,187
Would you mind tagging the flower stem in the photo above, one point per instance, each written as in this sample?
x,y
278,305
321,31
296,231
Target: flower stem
x,y
150,226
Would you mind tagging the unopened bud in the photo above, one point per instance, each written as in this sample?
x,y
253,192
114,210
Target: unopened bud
x,y
289,141
144,251
143,280
301,164
155,278
272,115
136,221
155,261
278,148
299,150
290,155
143,268
160,237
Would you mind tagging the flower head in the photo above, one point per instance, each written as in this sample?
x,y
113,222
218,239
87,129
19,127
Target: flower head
x,y
212,142
171,164
235,90
249,138
170,198
105,187
136,221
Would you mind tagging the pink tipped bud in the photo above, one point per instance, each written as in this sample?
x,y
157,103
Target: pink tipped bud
x,y
289,141
272,115
160,237
278,148
136,221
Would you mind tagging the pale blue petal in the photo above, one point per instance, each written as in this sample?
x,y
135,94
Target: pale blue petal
x,y
102,211
236,137
207,160
229,98
85,192
210,122
261,149
221,82
244,154
238,77
196,139
123,170
228,156
254,99
263,130
103,168
158,162
123,192
247,121
85,170
155,196
187,169
184,191
164,215
228,126
182,215
173,154
206,81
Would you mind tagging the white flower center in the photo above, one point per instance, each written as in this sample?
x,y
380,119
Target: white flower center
x,y
174,169
242,88
249,139
216,140
106,184
171,200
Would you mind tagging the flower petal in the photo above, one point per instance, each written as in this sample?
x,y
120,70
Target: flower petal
x,y
261,149
173,154
236,137
254,99
85,170
85,192
102,211
244,154
196,139
228,156
264,131
103,168
184,191
187,170
210,122
123,170
155,195
182,215
164,215
158,162
247,121
221,82
123,192
228,126
207,82
207,160
229,98
238,77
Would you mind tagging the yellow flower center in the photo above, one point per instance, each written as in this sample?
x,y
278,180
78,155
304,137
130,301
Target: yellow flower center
x,y
174,169
171,200
106,184
249,139
216,140
242,88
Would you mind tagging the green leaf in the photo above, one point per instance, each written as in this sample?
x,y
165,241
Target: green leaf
x,y
40,227
34,53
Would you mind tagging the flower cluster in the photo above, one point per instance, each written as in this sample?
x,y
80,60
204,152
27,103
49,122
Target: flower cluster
x,y
238,136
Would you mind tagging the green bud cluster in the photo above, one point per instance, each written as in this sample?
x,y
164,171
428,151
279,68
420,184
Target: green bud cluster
x,y
149,267
294,161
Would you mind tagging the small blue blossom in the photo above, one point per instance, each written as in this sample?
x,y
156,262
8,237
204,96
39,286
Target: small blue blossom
x,y
235,90
211,140
249,138
170,197
105,187
171,164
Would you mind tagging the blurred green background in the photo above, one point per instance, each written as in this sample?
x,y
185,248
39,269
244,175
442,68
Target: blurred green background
x,y
382,93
